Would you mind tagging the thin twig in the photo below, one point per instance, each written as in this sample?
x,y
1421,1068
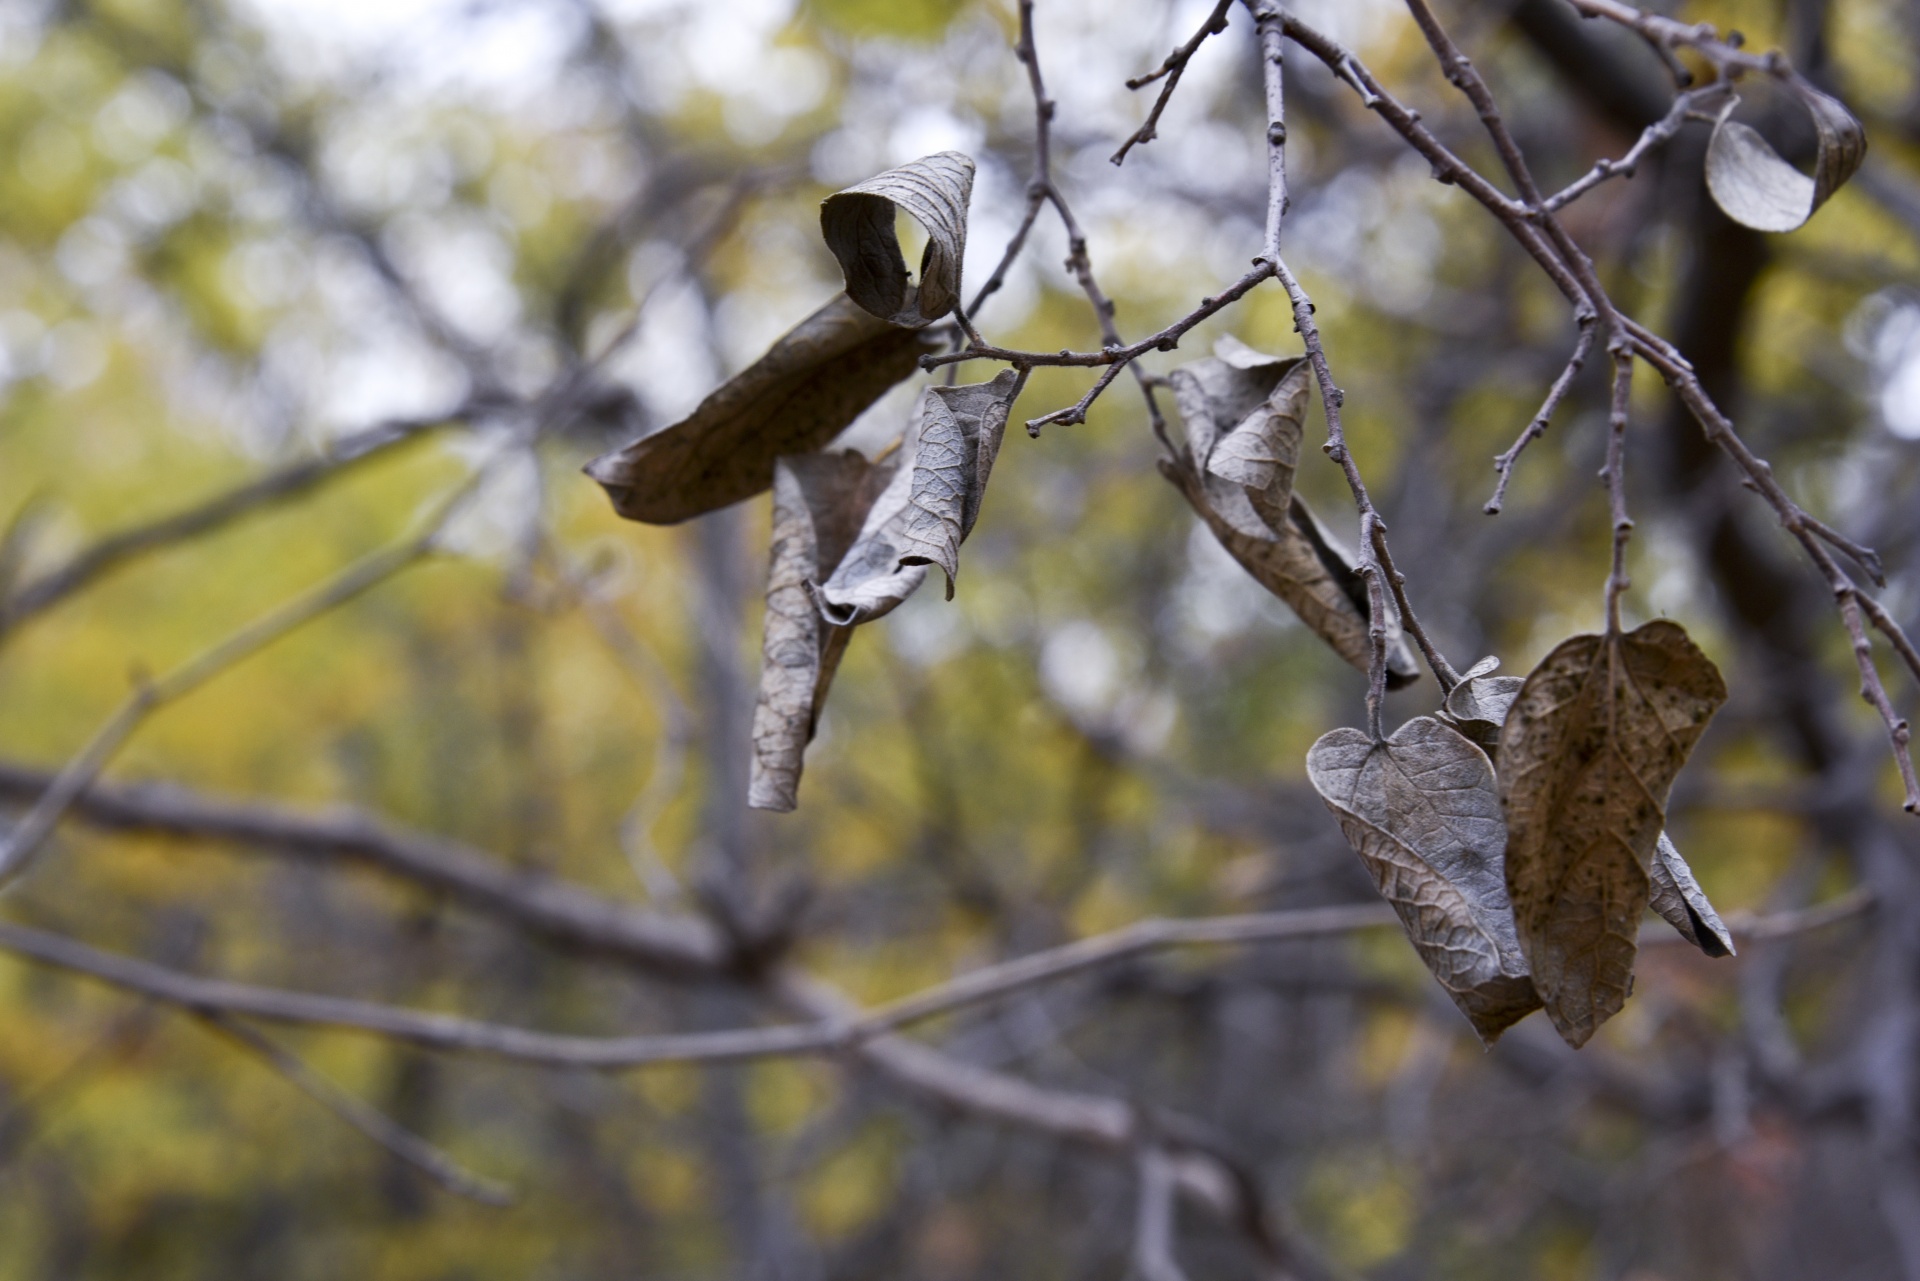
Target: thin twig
x,y
1119,354
1172,69
1657,134
1376,559
1615,475
369,1121
1538,427
1043,188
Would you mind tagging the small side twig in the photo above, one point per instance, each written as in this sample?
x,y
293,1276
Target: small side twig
x,y
1538,427
1043,188
1615,475
1172,69
1657,134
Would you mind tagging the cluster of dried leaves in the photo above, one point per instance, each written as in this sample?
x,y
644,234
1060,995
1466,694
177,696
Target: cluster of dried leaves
x,y
1518,831
853,536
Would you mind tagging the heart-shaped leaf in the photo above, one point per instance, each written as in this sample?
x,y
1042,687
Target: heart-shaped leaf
x,y
1588,752
819,501
1681,903
858,224
1243,414
1756,188
813,382
1422,811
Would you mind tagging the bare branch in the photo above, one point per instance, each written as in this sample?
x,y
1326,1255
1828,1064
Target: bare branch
x,y
1547,243
1658,134
1154,1227
1173,68
1701,37
1538,427
1615,475
1043,188
846,1029
1376,560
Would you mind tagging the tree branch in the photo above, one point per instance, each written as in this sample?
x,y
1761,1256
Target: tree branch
x,y
1173,68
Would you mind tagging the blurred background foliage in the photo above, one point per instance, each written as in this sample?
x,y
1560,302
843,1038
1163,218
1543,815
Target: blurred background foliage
x,y
234,235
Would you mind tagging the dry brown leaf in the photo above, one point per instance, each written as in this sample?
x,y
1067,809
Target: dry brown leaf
x,y
813,381
870,582
1422,811
960,433
929,506
819,501
1756,188
1243,414
1588,752
858,224
1681,903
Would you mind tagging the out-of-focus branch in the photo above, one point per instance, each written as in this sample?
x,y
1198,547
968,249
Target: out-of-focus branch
x,y
369,1121
679,947
843,1030
1154,1228
23,843
668,767
117,549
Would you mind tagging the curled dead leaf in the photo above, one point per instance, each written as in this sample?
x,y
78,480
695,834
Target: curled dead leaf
x,y
819,501
1588,751
960,433
928,507
1243,413
1422,811
858,224
1478,705
1680,902
1756,188
813,381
